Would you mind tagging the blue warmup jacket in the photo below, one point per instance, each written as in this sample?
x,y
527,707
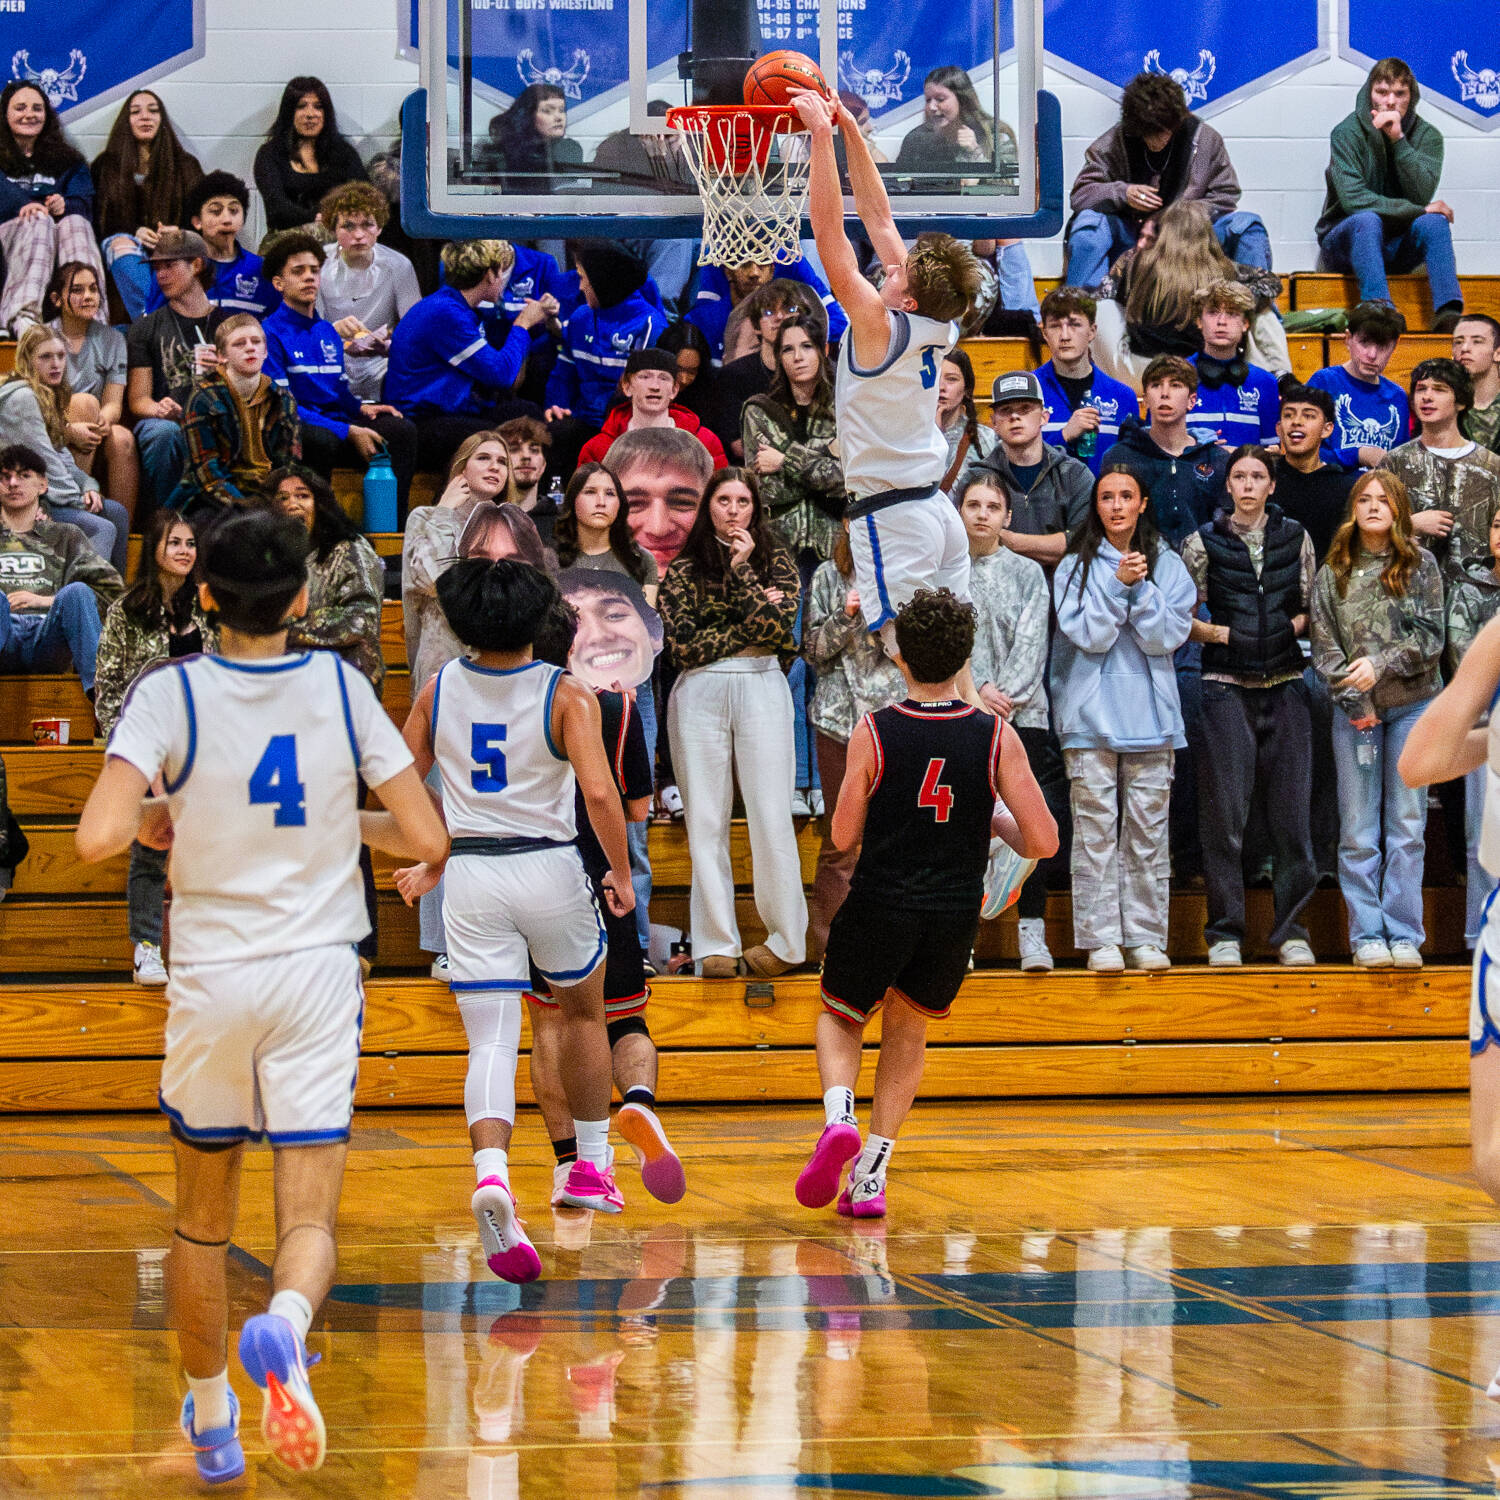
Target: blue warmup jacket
x,y
595,346
535,275
1364,416
306,356
710,313
238,287
1115,402
1239,413
441,361
75,184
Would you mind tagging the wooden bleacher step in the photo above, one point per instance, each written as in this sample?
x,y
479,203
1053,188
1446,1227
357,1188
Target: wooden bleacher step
x,y
1411,295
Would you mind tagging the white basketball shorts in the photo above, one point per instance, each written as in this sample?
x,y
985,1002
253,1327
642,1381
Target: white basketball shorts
x,y
264,1048
912,545
497,909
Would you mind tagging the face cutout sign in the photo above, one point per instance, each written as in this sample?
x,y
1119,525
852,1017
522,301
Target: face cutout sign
x,y
619,635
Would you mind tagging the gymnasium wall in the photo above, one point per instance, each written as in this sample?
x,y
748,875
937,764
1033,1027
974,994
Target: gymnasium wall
x,y
224,102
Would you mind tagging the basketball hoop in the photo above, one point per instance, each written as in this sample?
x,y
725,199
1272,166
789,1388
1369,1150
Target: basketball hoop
x,y
752,205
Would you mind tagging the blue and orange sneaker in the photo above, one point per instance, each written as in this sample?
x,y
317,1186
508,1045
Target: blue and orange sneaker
x,y
275,1359
508,1250
864,1198
661,1168
216,1451
818,1184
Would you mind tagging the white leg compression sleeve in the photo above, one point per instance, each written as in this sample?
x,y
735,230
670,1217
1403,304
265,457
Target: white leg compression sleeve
x,y
492,1021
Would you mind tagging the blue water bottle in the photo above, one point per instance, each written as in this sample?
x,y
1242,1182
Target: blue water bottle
x,y
380,495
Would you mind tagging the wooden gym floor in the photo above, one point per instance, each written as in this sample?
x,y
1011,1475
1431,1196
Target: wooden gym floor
x,y
1289,1297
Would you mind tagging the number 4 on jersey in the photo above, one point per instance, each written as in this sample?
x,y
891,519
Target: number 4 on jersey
x,y
275,783
936,794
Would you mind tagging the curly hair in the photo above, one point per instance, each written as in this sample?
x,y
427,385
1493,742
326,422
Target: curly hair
x,y
1152,102
351,198
467,262
1405,554
943,277
1224,295
935,635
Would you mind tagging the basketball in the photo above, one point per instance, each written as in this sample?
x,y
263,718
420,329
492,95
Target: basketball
x,y
772,77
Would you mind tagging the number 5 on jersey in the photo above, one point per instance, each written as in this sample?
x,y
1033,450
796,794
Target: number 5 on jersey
x,y
935,793
275,783
485,744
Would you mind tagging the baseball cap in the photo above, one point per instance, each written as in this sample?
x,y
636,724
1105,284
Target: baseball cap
x,y
179,244
1016,385
651,359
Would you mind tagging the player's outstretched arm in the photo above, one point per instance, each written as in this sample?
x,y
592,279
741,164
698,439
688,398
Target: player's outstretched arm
x,y
854,795
1025,822
111,817
410,827
871,201
578,728
1443,743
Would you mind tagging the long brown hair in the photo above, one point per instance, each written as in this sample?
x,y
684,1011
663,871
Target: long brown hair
x,y
1088,536
53,399
172,171
1346,548
621,542
466,450
702,547
1167,275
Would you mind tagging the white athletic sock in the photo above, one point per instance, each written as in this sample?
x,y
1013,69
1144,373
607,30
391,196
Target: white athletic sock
x,y
838,1106
593,1141
491,1161
875,1158
295,1308
210,1400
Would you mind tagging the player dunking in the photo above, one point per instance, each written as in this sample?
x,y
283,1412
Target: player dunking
x,y
918,799
511,737
261,755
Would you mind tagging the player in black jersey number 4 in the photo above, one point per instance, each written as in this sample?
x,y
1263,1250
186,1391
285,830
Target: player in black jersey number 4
x,y
919,799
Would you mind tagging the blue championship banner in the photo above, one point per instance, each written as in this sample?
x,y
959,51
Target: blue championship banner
x,y
1454,52
85,53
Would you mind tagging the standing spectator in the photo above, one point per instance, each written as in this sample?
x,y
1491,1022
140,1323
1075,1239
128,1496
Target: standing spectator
x,y
367,288
529,442
1476,346
722,290
157,619
955,130
1124,604
528,141
1452,483
1377,634
1237,399
1012,606
1159,154
1085,407
34,405
648,385
1370,413
663,472
305,355
304,156
958,418
443,374
1381,212
46,204
141,182
1253,569
96,372
728,604
239,425
1312,492
53,585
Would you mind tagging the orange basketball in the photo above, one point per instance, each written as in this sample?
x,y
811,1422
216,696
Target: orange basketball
x,y
773,76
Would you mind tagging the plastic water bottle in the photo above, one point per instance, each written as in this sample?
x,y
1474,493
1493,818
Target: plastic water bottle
x,y
380,495
1364,749
1088,443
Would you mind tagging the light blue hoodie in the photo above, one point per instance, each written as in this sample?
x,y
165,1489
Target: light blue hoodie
x,y
1113,685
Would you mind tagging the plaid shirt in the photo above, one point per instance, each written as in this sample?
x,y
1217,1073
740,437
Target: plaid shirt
x,y
221,453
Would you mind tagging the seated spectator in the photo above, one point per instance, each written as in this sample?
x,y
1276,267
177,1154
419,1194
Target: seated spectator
x,y
96,375
1159,154
696,388
753,323
304,156
156,619
958,417
729,602
1377,637
305,355
1476,346
443,374
367,288
1124,604
1253,569
529,441
648,386
1084,405
1370,413
500,530
1381,212
34,405
1006,305
1313,493
385,174
1146,304
1047,493
141,182
536,274
46,204
239,425
53,585
1452,484
165,352
955,130
529,145
216,209
1237,399
721,291
1012,608
662,473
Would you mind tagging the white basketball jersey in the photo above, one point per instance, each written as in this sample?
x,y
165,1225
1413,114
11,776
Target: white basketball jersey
x,y
261,761
887,417
503,777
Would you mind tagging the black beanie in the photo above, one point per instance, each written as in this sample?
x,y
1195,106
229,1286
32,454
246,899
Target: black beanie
x,y
613,273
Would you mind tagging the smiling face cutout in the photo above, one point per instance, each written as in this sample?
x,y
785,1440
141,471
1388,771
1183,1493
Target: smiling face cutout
x,y
619,634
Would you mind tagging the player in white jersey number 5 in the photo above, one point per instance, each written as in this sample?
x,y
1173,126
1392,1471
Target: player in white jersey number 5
x,y
261,754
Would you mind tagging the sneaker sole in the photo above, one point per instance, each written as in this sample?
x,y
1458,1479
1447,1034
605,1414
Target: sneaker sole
x,y
290,1420
661,1168
818,1184
873,1208
153,983
516,1259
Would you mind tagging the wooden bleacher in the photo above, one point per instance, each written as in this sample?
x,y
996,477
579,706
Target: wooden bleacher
x,y
1309,289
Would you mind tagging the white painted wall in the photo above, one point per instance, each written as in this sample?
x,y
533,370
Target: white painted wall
x,y
224,102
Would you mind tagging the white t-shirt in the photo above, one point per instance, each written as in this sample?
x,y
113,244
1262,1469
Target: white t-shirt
x,y
261,761
379,295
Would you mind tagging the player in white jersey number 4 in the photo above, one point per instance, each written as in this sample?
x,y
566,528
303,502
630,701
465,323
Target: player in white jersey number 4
x,y
261,755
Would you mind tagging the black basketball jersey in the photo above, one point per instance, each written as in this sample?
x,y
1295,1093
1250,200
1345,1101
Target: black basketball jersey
x,y
927,830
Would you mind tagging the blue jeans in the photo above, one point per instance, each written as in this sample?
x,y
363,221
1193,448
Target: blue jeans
x,y
108,532
131,272
1480,881
637,834
1382,831
801,679
1365,245
67,633
164,454
1096,239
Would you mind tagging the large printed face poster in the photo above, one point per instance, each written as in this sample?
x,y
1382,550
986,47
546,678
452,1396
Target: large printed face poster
x,y
619,635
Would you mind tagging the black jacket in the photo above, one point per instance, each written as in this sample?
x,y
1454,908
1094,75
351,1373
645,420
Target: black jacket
x,y
1185,491
1257,609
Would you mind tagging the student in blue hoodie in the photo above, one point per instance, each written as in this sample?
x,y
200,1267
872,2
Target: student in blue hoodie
x,y
1238,400
444,374
535,274
720,292
1085,407
305,355
1371,414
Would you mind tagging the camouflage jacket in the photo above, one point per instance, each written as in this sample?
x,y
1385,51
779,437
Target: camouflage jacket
x,y
855,676
1469,487
1013,606
50,556
806,494
707,621
1472,603
1483,425
128,645
1402,636
344,593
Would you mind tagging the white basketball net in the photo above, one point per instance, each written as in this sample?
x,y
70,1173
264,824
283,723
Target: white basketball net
x,y
754,189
